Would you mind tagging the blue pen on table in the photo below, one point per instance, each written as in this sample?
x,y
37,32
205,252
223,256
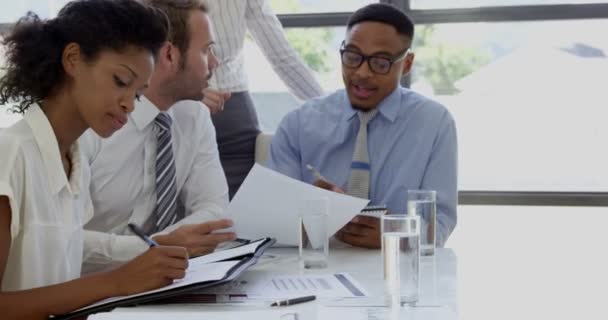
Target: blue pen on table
x,y
290,302
142,235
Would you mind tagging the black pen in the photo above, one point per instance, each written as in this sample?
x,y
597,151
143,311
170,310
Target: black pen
x,y
289,302
142,235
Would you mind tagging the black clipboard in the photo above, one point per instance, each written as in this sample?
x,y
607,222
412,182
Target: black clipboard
x,y
245,261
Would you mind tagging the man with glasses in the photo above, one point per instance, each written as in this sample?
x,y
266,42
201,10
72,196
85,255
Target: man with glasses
x,y
374,139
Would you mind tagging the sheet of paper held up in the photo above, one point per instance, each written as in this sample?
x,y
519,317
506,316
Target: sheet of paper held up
x,y
267,205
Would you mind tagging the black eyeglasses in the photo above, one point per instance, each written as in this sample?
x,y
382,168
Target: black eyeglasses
x,y
377,64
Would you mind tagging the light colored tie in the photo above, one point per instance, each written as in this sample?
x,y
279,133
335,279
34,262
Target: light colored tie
x,y
166,212
358,183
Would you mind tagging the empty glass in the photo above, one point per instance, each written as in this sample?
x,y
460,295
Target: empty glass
x,y
312,228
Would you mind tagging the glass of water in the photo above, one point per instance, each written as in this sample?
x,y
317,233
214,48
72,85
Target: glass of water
x,y
313,239
423,204
401,258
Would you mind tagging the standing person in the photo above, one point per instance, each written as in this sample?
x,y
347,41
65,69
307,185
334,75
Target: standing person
x,y
162,170
234,115
82,69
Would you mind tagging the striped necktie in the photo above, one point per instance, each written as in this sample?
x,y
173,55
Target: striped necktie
x,y
165,213
358,183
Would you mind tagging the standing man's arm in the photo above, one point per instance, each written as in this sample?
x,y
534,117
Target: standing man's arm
x,y
441,174
268,34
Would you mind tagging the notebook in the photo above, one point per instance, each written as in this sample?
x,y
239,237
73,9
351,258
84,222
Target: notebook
x,y
203,272
374,211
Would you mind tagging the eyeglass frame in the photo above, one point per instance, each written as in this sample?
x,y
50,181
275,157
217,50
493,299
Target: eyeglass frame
x,y
367,58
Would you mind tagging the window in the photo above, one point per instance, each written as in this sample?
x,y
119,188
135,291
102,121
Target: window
x,y
528,99
318,47
452,4
13,10
317,6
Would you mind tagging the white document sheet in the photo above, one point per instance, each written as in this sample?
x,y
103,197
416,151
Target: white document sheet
x,y
267,205
197,315
260,285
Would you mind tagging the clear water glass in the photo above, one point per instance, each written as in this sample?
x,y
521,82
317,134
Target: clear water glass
x,y
401,258
424,204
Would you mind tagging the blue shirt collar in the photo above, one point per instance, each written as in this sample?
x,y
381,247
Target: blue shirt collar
x,y
388,108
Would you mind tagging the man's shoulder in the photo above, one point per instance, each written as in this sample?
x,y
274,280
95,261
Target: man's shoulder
x,y
191,117
424,106
189,110
321,107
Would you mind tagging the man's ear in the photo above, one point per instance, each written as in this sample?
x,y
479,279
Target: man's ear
x,y
72,59
168,57
408,63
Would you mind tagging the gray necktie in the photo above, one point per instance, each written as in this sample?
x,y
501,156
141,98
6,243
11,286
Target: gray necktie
x,y
358,183
166,212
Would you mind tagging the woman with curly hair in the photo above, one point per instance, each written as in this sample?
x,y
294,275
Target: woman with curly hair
x,y
82,69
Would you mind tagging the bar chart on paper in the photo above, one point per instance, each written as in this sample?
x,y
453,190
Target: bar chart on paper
x,y
266,286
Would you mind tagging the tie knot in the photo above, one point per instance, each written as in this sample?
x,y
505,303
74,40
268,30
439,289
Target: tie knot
x,y
365,117
164,121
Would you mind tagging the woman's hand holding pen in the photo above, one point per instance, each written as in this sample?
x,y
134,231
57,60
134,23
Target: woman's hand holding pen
x,y
153,269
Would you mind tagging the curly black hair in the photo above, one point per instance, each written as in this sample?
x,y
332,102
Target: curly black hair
x,y
35,47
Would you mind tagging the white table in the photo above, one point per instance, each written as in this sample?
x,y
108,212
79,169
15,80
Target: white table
x,y
438,298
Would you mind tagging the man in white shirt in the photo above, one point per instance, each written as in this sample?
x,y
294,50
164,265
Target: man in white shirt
x,y
162,170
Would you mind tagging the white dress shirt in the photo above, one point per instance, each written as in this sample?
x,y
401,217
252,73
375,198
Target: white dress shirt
x,y
123,187
231,19
47,211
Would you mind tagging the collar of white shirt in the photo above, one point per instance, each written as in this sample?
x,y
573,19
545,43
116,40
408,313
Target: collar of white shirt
x,y
145,112
49,148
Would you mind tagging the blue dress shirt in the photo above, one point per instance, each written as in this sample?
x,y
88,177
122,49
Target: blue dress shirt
x,y
412,144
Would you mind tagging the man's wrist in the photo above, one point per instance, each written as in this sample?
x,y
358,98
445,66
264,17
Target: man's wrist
x,y
162,239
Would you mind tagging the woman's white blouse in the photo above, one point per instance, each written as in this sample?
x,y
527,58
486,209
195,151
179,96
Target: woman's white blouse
x,y
48,210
